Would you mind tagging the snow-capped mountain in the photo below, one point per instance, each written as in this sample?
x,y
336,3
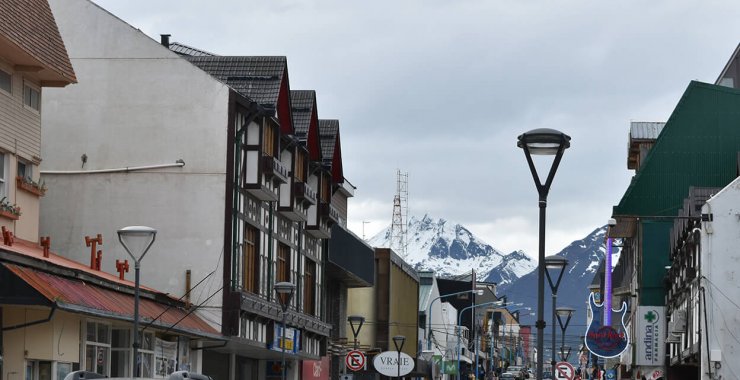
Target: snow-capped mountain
x,y
450,249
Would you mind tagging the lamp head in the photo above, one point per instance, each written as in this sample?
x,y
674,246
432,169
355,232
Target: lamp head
x,y
543,141
285,292
565,311
137,240
398,341
555,262
356,322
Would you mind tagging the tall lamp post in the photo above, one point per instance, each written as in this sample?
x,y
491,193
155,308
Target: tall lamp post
x,y
136,240
542,141
557,265
567,313
355,322
284,292
398,341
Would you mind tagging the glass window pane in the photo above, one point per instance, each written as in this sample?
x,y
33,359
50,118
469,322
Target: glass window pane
x,y
44,370
63,369
90,358
101,360
5,83
147,342
119,363
121,338
146,364
91,331
103,334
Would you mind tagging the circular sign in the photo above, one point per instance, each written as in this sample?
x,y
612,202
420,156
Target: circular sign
x,y
389,363
564,370
355,360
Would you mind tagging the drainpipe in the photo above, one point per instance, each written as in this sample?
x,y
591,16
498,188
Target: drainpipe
x,y
179,163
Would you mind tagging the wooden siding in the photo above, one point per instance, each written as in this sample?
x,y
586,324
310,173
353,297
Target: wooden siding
x,y
20,126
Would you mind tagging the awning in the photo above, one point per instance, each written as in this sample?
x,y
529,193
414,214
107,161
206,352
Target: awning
x,y
78,296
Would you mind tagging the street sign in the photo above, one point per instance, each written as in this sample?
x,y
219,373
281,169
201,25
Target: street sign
x,y
564,371
355,360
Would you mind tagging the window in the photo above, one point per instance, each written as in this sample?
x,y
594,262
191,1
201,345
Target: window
x,y
3,176
251,260
300,166
146,355
25,169
6,83
97,347
63,369
120,352
32,97
268,142
283,264
38,370
309,286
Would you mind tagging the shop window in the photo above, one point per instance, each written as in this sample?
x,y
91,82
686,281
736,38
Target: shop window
x,y
63,369
38,370
146,355
120,358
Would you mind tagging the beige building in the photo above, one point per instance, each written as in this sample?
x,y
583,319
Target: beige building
x,y
58,315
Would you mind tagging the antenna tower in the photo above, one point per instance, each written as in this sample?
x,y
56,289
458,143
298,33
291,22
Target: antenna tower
x,y
400,214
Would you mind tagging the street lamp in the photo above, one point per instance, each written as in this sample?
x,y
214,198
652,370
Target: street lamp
x,y
556,264
398,341
284,292
567,313
542,141
136,240
355,322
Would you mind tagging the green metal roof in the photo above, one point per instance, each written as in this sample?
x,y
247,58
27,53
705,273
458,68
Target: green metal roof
x,y
698,146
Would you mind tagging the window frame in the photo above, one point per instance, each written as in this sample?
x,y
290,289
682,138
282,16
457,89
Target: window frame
x,y
282,269
27,85
251,259
9,90
98,344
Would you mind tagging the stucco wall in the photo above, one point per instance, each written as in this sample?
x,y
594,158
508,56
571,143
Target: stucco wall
x,y
719,263
58,339
136,104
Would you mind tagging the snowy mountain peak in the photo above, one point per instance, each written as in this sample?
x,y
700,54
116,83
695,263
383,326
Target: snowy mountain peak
x,y
450,249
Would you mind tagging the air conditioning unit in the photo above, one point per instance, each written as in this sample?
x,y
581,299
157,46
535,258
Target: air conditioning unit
x,y
678,322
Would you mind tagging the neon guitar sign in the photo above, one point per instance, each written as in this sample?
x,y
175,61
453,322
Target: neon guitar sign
x,y
604,339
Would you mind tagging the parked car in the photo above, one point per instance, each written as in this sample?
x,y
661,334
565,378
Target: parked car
x,y
509,375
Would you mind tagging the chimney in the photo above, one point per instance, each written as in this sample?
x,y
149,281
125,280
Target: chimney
x,y
165,40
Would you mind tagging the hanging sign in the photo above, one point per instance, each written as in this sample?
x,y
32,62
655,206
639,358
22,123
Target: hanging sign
x,y
606,341
650,335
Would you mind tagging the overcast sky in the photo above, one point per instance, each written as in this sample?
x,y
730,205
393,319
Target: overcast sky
x,y
442,89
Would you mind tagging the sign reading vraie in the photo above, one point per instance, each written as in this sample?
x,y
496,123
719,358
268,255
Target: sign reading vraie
x,y
389,363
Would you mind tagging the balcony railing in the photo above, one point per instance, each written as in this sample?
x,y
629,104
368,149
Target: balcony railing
x,y
274,169
304,193
328,212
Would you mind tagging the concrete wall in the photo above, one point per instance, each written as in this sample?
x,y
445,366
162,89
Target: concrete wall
x,y
136,103
719,263
404,308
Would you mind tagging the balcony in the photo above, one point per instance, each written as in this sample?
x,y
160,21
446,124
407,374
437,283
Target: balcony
x,y
328,213
274,170
304,193
291,204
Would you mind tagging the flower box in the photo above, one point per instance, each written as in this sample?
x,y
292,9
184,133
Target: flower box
x,y
31,187
8,215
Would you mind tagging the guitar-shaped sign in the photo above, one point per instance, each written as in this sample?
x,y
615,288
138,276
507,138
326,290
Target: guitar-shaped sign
x,y
603,339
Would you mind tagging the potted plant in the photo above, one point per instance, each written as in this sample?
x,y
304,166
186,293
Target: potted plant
x,y
9,211
31,186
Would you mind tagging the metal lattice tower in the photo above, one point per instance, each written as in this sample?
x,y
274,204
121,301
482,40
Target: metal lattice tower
x,y
400,214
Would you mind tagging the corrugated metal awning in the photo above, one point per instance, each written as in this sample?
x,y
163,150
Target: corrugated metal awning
x,y
78,296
